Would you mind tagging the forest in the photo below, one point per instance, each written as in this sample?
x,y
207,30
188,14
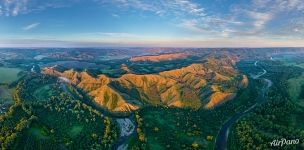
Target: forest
x,y
58,120
277,118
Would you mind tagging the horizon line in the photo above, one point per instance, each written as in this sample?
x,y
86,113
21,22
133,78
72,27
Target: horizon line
x,y
181,47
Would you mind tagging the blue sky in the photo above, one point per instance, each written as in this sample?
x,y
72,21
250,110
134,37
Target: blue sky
x,y
169,23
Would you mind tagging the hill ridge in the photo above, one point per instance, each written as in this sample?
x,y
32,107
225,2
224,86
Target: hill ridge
x,y
195,86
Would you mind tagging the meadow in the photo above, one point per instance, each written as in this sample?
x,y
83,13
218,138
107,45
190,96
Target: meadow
x,y
9,75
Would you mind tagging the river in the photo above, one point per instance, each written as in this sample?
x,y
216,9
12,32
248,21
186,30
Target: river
x,y
127,129
222,137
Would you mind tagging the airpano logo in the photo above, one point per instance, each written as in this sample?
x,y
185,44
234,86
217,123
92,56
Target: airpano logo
x,y
284,141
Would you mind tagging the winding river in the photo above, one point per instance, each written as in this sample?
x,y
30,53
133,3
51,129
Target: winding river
x,y
222,137
127,129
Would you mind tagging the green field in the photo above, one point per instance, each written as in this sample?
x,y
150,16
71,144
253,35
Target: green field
x,y
8,75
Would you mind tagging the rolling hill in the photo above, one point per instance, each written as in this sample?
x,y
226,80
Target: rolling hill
x,y
199,85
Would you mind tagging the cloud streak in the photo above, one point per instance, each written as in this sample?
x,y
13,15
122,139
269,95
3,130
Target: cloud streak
x,y
31,26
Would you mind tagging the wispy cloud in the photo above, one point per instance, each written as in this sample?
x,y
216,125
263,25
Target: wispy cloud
x,y
186,14
160,7
13,7
192,25
1,11
31,26
279,5
260,19
115,16
16,7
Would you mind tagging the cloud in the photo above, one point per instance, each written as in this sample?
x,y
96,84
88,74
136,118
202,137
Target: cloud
x,y
13,7
17,7
268,18
190,7
161,7
238,19
115,16
31,26
192,25
185,14
279,5
1,11
260,19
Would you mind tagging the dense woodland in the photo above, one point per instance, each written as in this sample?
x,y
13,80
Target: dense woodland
x,y
275,119
59,121
301,96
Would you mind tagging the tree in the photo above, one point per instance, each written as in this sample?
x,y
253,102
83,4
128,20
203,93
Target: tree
x,y
195,145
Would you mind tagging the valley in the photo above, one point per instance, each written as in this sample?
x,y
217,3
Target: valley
x,y
151,74
74,95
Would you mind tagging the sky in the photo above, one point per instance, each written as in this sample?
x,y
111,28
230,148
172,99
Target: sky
x,y
153,23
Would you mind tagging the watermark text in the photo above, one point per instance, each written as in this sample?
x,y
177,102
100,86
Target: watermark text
x,y
284,141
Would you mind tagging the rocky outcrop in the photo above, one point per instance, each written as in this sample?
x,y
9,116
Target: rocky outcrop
x,y
244,82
